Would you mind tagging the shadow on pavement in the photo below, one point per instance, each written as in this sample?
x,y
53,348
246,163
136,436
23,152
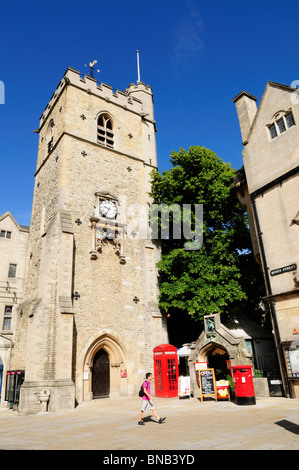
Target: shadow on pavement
x,y
288,426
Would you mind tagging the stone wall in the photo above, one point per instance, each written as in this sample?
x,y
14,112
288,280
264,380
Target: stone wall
x,y
13,250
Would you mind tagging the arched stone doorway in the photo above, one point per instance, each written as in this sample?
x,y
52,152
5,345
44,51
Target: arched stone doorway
x,y
217,358
103,357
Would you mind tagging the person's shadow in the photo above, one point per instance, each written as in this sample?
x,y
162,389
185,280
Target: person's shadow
x,y
147,419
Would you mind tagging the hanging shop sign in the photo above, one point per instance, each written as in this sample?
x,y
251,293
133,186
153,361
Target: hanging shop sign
x,y
200,365
285,269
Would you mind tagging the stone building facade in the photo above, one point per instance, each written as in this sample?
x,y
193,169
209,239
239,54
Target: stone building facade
x,y
90,316
13,248
268,186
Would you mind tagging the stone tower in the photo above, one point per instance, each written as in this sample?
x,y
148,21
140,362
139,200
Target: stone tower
x,y
90,318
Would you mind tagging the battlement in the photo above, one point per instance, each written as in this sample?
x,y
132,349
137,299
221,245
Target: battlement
x,y
126,99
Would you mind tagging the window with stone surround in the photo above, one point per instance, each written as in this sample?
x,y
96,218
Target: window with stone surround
x,y
281,124
12,270
7,318
5,234
105,130
290,119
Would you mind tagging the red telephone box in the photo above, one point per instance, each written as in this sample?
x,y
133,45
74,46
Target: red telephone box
x,y
166,371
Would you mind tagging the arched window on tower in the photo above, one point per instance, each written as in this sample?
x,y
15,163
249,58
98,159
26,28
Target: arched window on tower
x,y
105,130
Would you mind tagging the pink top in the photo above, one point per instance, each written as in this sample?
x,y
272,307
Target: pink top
x,y
147,386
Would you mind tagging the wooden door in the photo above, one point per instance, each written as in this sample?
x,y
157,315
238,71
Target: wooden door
x,y
101,375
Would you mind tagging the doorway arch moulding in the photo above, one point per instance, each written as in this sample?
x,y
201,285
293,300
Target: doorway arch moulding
x,y
112,344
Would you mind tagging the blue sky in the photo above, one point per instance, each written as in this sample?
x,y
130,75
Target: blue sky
x,y
197,56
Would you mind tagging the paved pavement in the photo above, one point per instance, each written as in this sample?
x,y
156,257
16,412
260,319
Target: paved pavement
x,y
111,424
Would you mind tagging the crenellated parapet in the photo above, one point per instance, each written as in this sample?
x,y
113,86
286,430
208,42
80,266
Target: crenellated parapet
x,y
136,98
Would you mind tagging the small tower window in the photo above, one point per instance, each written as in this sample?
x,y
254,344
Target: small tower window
x,y
105,131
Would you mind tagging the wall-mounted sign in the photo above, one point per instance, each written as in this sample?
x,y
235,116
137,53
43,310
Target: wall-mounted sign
x,y
285,269
123,373
200,365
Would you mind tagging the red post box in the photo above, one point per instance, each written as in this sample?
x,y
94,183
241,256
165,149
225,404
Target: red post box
x,y
166,371
244,389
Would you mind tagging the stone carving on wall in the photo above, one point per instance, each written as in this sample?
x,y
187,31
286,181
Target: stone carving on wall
x,y
103,234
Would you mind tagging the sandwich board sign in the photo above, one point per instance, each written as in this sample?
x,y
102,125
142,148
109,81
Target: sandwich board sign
x,y
207,383
184,388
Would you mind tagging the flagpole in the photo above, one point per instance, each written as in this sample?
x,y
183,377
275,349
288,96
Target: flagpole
x,y
138,68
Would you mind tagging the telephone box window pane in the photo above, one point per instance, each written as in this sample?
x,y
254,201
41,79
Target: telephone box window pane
x,y
158,374
172,374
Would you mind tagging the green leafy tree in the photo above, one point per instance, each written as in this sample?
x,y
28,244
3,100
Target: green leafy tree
x,y
205,280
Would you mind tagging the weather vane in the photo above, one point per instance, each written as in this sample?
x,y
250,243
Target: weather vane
x,y
91,66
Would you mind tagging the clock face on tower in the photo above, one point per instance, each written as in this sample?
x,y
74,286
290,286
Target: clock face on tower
x,y
108,209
